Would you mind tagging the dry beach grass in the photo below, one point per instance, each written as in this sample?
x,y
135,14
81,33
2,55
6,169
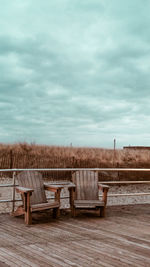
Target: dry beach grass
x,y
23,155
61,156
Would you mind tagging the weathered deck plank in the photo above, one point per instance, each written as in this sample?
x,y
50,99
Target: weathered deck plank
x,y
120,239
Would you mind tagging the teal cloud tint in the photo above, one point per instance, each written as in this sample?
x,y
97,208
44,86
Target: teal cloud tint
x,y
75,72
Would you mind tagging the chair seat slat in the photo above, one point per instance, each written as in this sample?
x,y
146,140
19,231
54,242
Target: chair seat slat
x,y
44,206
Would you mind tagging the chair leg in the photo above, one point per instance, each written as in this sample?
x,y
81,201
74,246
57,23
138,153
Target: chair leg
x,y
56,213
28,217
73,212
28,214
102,212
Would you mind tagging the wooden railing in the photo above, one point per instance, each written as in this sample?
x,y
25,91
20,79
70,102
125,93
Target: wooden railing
x,y
14,172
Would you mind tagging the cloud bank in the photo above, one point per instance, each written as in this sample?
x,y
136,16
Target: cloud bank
x,y
75,72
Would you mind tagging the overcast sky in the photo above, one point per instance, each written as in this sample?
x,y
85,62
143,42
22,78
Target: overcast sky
x,y
75,72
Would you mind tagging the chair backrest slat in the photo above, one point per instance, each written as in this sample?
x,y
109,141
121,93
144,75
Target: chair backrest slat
x,y
86,185
33,179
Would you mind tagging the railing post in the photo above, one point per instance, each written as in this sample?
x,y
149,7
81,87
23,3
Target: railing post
x,y
13,191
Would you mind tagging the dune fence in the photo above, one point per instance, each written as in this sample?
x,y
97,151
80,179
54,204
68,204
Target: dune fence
x,y
23,155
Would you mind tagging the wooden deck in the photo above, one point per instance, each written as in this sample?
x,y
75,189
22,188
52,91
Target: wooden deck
x,y
120,239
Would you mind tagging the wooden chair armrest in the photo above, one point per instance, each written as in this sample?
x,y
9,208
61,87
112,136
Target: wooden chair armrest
x,y
103,186
105,189
71,186
21,189
53,188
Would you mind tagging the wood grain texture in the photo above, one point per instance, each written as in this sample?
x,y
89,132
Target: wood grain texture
x,y
86,185
88,204
86,194
32,190
44,206
2,264
34,181
121,239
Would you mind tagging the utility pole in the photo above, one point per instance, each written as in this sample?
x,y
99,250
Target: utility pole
x,y
114,145
114,157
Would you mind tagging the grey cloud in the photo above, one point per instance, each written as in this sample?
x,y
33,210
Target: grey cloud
x,y
76,73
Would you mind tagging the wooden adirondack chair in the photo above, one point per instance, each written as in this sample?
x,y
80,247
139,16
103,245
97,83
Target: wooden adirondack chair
x,y
32,190
84,192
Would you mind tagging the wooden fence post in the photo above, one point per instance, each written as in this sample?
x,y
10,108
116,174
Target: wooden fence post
x,y
11,159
